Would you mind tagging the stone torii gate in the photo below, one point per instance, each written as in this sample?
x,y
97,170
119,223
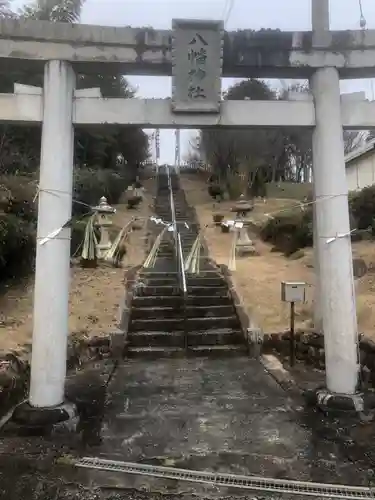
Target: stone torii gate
x,y
62,50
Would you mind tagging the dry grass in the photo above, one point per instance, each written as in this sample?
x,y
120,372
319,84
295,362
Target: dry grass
x,y
258,278
95,294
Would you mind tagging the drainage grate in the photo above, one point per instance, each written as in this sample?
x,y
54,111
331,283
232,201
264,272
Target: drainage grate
x,y
247,482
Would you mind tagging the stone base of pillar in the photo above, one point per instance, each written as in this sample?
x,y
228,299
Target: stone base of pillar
x,y
361,403
29,416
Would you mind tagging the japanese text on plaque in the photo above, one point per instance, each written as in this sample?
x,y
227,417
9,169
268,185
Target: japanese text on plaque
x,y
197,57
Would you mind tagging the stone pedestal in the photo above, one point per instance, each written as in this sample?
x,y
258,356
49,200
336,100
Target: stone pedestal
x,y
244,245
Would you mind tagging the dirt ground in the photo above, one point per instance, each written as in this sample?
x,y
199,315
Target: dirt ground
x,y
95,294
258,278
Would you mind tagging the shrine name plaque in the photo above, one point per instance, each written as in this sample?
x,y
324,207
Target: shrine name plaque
x,y
197,60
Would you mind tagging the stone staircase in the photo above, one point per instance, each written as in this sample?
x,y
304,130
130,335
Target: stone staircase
x,y
159,324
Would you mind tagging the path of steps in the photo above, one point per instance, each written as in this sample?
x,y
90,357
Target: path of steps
x,y
158,326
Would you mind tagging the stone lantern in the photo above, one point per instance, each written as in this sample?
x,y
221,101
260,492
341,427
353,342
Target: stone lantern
x,y
103,222
242,207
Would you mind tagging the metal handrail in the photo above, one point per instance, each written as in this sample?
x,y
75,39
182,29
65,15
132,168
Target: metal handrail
x,y
179,255
177,238
181,264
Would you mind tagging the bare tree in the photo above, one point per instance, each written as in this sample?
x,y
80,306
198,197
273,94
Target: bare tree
x,y
354,139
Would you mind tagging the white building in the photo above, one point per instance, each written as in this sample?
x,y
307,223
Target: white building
x,y
360,167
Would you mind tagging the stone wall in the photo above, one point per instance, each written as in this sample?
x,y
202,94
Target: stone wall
x,y
252,334
310,349
15,367
130,280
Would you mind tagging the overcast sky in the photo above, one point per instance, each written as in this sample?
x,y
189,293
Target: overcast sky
x,y
251,14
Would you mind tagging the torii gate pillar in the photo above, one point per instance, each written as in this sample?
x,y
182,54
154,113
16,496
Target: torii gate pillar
x,y
334,242
52,272
320,26
335,304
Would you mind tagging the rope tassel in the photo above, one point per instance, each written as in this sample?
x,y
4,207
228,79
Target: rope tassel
x,y
150,260
90,241
122,236
192,264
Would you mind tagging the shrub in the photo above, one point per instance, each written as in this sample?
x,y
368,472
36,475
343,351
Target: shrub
x,y
90,185
17,246
362,206
17,196
18,214
294,230
289,231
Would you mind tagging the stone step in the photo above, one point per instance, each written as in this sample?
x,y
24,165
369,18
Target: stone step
x,y
221,291
219,336
175,324
169,247
179,210
169,264
158,327
178,311
156,339
218,350
191,281
155,352
213,272
169,254
174,301
178,352
184,237
184,242
161,282
216,337
156,311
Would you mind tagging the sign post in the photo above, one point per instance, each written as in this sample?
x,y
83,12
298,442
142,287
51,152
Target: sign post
x,y
293,292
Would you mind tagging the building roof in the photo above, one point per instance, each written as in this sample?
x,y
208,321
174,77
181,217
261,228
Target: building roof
x,y
358,152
